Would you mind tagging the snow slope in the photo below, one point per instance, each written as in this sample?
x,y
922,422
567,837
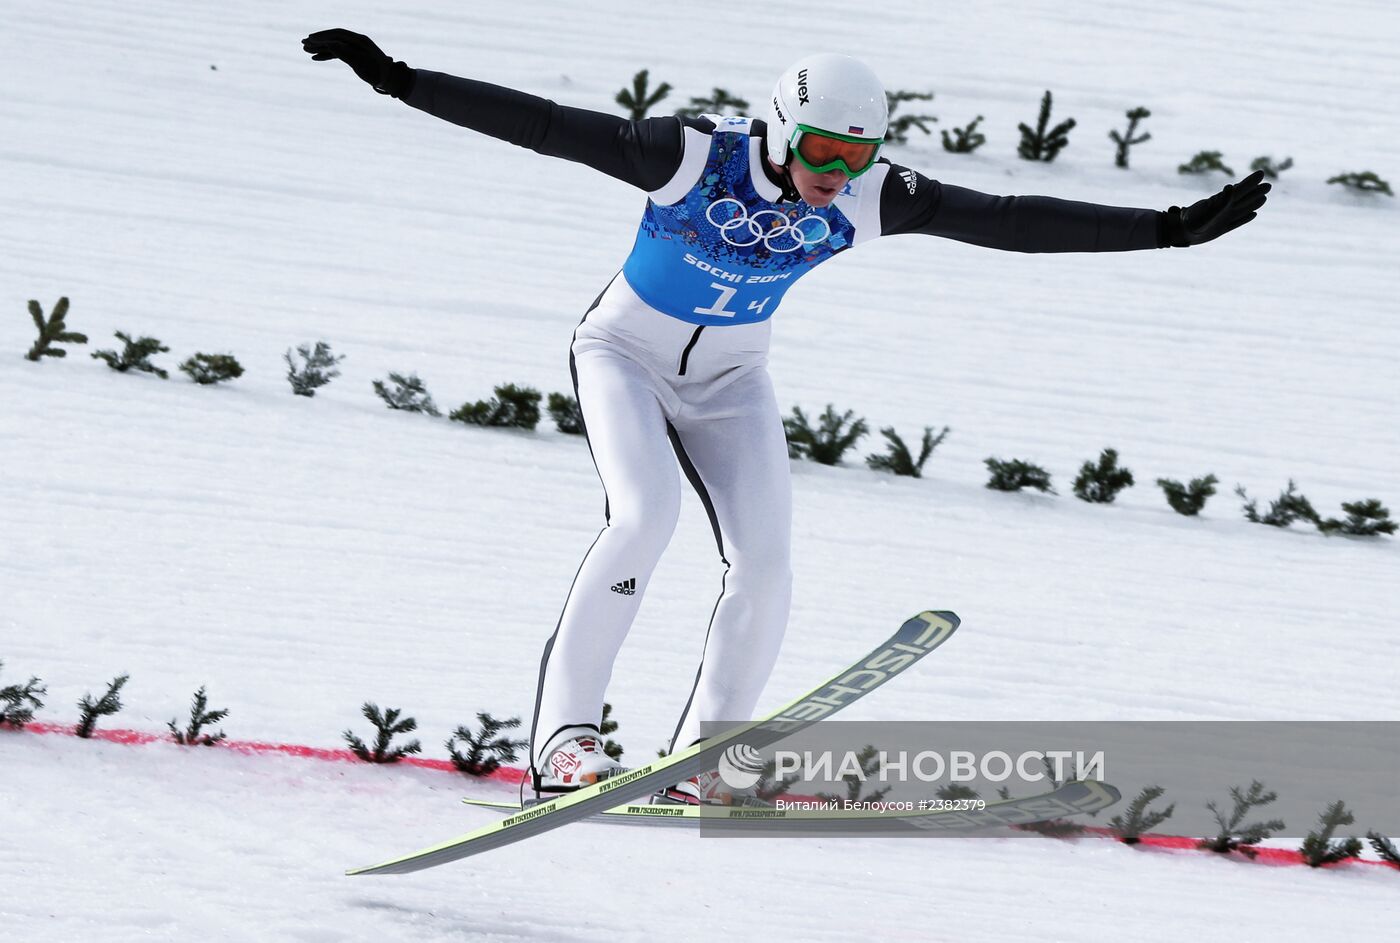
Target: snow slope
x,y
187,173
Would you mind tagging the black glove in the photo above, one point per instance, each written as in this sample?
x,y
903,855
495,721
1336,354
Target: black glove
x,y
1214,216
361,54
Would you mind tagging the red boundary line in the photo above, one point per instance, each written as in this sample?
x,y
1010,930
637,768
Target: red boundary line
x,y
506,774
1262,855
513,775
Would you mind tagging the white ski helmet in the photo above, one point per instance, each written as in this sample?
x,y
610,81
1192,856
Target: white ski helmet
x,y
835,94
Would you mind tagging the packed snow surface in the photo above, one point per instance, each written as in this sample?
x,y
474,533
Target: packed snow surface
x,y
185,172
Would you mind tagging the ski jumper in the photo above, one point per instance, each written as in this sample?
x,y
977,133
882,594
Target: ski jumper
x,y
670,363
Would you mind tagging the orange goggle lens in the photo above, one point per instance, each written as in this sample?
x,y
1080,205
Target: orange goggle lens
x,y
821,153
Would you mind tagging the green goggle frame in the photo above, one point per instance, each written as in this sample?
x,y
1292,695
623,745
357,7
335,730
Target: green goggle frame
x,y
837,162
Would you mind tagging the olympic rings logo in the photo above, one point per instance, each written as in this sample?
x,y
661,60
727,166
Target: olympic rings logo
x,y
778,234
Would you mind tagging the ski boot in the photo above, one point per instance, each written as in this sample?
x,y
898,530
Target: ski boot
x,y
707,788
572,759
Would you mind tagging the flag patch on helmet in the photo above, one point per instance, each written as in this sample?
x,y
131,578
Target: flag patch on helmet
x,y
854,130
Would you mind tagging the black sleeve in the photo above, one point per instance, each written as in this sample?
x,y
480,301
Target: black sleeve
x,y
911,202
643,153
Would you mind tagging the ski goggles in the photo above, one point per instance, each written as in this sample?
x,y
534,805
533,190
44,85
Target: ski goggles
x,y
821,151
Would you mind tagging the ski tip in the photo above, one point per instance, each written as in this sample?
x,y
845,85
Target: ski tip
x,y
932,626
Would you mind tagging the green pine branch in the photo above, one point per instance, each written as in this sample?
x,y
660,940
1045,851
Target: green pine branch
x,y
1042,144
1269,166
52,330
1203,163
638,101
1366,182
136,355
567,416
104,706
1127,140
1367,518
513,407
1188,499
897,130
1289,507
964,140
1234,835
832,438
316,369
18,702
1099,483
608,725
200,717
486,749
869,761
208,369
1130,827
387,726
718,102
899,460
1321,848
406,393
1016,474
1384,847
770,786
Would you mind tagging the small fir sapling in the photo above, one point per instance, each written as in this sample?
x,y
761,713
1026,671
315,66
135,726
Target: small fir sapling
x,y
134,356
1040,144
1188,499
106,705
512,406
608,725
768,787
318,367
1129,828
1100,483
208,369
638,100
200,716
1366,182
1233,834
964,140
1367,518
1320,848
835,435
1289,507
487,749
1051,828
899,460
718,102
1016,474
387,725
869,761
52,330
568,418
897,131
1204,163
18,702
1127,140
1384,847
1270,169
406,393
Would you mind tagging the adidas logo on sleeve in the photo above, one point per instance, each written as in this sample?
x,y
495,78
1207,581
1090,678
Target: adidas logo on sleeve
x,y
626,587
